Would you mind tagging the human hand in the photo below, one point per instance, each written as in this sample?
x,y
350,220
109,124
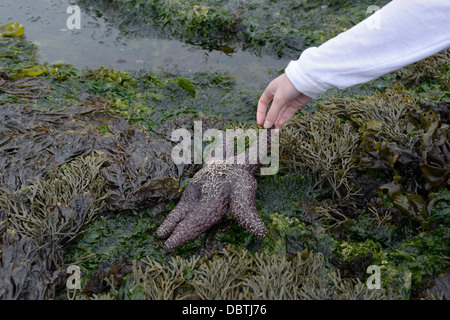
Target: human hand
x,y
211,192
286,101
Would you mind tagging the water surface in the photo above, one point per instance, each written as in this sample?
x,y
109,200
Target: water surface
x,y
100,43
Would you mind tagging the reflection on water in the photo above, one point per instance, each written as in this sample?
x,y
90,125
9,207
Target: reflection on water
x,y
100,43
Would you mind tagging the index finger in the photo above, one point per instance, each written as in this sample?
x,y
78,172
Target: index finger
x,y
272,116
263,103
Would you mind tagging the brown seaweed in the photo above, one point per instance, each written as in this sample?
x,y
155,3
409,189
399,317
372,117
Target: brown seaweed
x,y
27,272
318,144
28,88
236,274
52,211
106,273
58,171
138,170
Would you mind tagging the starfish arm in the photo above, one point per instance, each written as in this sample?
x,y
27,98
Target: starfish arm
x,y
172,220
211,192
195,213
243,206
192,193
192,226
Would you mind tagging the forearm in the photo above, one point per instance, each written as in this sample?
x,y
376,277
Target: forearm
x,y
409,30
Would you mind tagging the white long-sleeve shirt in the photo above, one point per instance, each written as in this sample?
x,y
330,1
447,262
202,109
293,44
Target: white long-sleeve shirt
x,y
400,33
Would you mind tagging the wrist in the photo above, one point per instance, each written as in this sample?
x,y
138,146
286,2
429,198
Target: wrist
x,y
301,81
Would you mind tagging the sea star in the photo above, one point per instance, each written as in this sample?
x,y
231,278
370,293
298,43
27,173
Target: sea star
x,y
215,189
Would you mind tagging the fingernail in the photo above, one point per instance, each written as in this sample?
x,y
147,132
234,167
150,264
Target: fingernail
x,y
267,124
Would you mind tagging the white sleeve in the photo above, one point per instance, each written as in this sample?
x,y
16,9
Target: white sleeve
x,y
400,33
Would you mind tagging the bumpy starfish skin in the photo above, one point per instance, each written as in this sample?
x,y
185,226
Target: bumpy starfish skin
x,y
212,191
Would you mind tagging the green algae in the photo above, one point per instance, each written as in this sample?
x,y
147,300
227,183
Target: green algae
x,y
428,78
404,268
282,193
111,239
440,203
186,84
16,52
142,97
31,71
18,56
110,75
12,30
152,99
348,250
367,228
